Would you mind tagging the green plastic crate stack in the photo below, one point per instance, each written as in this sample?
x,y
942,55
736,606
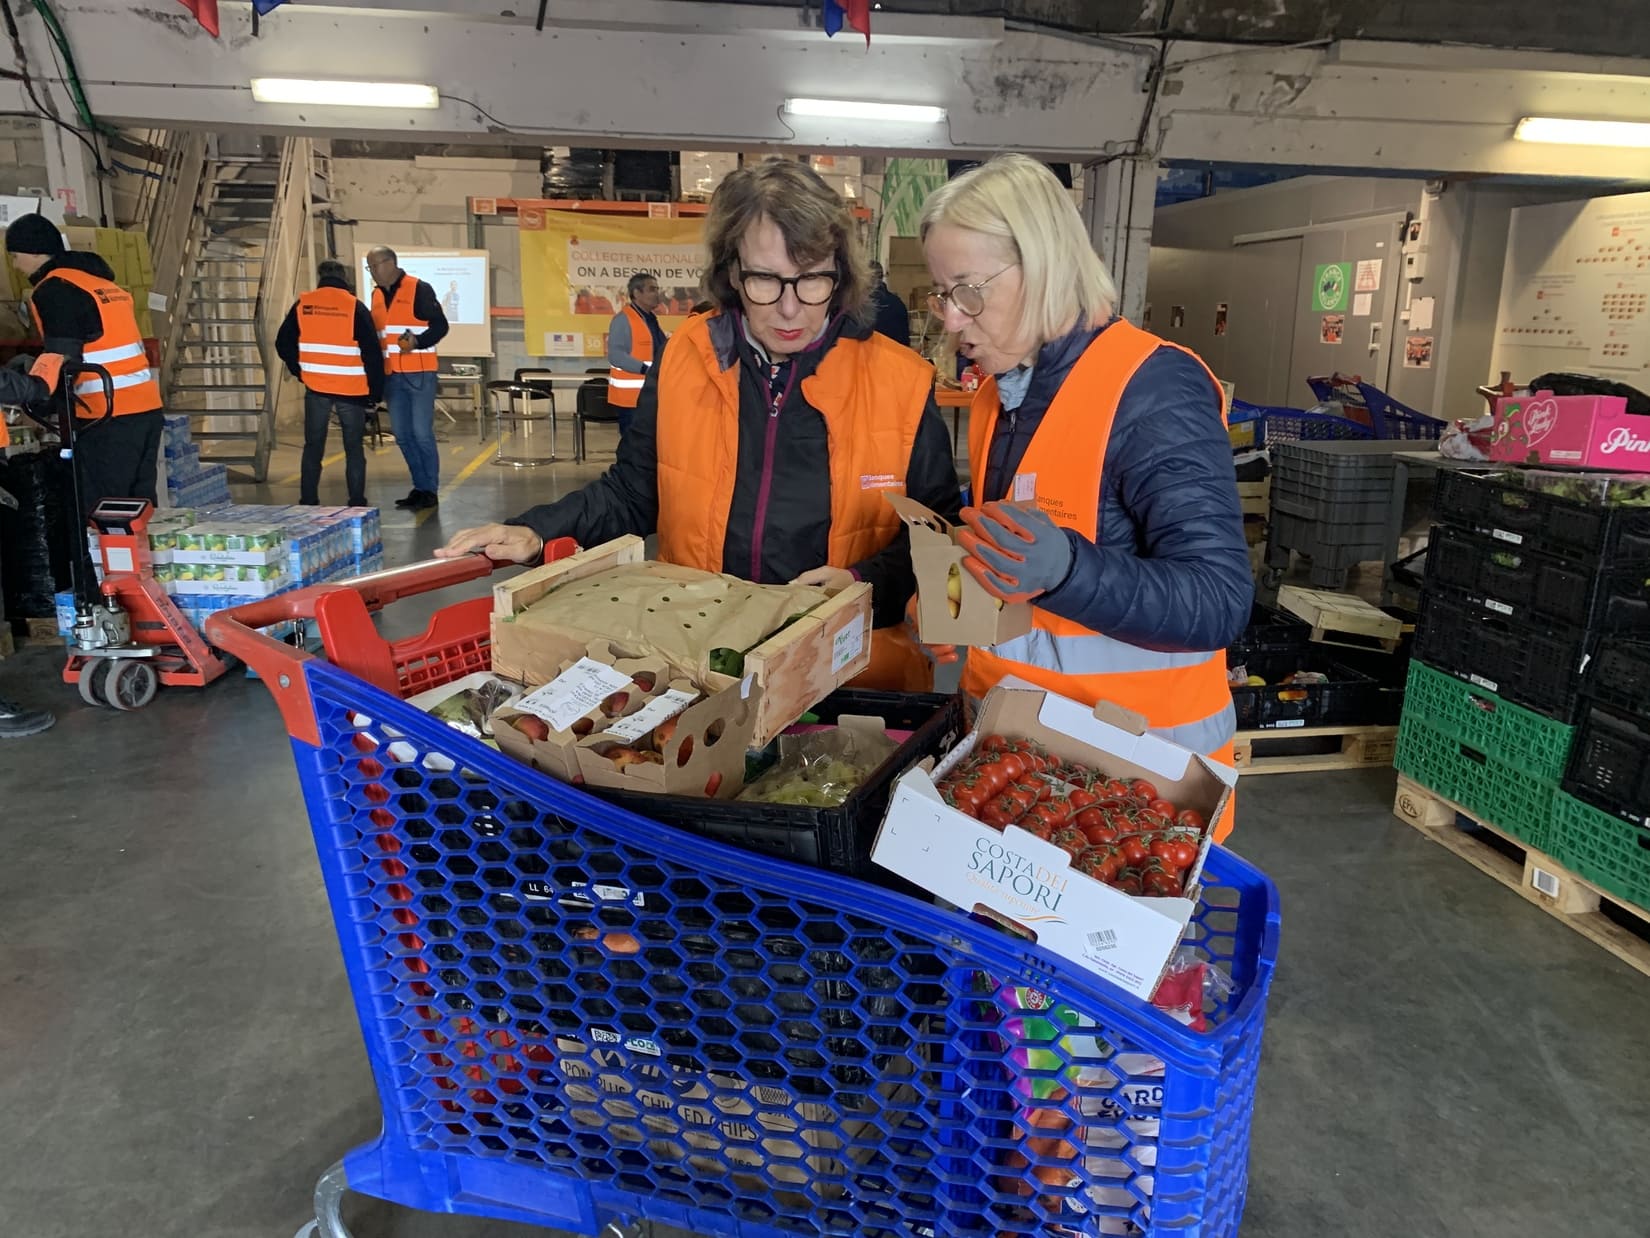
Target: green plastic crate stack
x,y
1499,761
1611,853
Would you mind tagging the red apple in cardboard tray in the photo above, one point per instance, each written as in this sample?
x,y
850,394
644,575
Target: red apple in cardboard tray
x,y
623,757
533,727
615,705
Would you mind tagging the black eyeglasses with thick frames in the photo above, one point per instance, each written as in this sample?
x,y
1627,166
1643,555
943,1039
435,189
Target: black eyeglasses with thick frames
x,y
766,288
969,298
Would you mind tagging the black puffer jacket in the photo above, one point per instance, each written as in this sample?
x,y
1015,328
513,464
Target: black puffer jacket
x,y
1170,569
780,518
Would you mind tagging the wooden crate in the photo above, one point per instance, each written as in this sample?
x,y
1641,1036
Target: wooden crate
x,y
1362,747
1538,877
1342,618
797,667
1255,497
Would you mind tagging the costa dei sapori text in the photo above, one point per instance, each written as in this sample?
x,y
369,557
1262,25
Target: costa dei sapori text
x,y
997,866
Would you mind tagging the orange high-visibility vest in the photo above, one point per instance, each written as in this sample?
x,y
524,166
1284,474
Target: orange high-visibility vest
x,y
1183,696
329,356
623,387
870,392
119,349
392,319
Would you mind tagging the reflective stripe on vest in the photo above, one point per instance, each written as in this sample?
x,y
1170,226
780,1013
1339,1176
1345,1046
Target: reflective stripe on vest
x,y
329,355
105,356
871,395
120,382
1183,696
624,388
118,349
393,319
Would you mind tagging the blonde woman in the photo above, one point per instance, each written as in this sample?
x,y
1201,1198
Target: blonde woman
x,y
770,427
1100,465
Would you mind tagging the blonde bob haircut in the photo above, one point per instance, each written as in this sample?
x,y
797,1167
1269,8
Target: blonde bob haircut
x,y
1023,205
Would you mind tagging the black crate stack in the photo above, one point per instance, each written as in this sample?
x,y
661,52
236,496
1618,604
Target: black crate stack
x,y
1542,599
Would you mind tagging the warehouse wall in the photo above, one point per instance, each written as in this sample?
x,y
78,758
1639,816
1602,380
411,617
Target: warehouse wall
x,y
22,156
1194,264
1272,335
425,201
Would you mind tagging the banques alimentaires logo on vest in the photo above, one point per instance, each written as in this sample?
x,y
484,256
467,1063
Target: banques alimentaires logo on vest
x,y
998,864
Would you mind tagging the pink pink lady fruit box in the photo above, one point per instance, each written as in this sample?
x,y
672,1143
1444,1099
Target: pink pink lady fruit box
x,y
1591,431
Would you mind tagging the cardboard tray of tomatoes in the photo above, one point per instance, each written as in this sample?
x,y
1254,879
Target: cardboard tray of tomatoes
x,y
1121,833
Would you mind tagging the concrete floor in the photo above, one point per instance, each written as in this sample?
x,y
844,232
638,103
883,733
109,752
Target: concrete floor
x,y
178,1054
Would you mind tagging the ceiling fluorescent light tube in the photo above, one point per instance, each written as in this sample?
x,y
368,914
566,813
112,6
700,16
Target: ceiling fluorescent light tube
x,y
859,109
401,95
1557,129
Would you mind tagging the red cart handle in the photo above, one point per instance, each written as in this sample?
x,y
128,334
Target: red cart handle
x,y
342,611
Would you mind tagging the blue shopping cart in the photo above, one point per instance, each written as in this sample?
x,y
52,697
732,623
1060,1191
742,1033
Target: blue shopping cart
x,y
1367,404
581,1018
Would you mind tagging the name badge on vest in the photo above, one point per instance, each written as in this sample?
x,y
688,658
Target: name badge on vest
x,y
1024,489
880,481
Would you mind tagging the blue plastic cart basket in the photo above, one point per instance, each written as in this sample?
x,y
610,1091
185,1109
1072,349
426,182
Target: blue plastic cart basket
x,y
580,1018
1386,417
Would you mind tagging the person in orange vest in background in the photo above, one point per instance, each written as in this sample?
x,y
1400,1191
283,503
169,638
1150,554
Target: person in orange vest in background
x,y
330,343
1101,466
83,314
634,341
770,428
410,324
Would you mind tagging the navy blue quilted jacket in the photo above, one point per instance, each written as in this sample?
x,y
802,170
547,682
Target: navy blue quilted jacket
x,y
1171,568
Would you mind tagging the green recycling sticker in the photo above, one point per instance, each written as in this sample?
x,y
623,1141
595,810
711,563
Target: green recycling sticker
x,y
1330,286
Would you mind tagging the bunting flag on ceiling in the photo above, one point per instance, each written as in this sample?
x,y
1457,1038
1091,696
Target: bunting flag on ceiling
x,y
206,13
265,7
854,13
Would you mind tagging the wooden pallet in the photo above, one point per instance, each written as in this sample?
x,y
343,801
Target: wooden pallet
x,y
1538,877
1362,747
1342,618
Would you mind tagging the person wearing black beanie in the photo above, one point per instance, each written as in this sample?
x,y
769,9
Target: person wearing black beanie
x,y
83,314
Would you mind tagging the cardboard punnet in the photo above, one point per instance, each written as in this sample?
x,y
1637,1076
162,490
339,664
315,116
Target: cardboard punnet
x,y
1017,877
1590,431
709,741
936,559
796,667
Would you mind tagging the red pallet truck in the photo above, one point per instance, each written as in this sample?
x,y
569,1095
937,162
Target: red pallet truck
x,y
129,636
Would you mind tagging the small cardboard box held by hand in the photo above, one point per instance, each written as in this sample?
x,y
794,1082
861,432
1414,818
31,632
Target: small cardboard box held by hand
x,y
952,607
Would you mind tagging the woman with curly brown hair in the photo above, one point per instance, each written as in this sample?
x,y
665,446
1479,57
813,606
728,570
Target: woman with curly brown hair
x,y
771,427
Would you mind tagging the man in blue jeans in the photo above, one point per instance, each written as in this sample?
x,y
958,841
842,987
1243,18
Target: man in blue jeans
x,y
330,344
410,323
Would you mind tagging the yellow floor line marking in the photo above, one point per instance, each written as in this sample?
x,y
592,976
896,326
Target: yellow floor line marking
x,y
464,474
325,464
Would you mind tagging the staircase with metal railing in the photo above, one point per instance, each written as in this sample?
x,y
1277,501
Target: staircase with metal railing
x,y
241,263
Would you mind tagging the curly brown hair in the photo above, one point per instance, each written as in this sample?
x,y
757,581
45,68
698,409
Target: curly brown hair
x,y
814,220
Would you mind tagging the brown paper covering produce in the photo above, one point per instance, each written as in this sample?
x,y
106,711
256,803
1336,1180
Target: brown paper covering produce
x,y
679,613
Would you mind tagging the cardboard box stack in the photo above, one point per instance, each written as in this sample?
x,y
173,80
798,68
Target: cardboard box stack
x,y
190,481
217,558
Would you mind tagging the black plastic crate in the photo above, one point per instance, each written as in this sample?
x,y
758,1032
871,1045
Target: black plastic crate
x,y
838,839
1348,699
1505,510
1534,665
1618,675
1520,582
1610,764
1269,631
